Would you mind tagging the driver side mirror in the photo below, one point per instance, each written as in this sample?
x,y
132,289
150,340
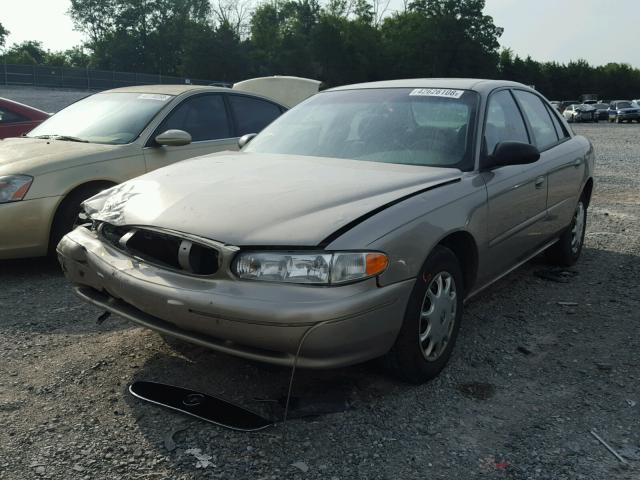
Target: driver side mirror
x,y
512,153
243,140
173,138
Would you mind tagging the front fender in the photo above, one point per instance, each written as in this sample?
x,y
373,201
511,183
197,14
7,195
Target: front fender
x,y
408,231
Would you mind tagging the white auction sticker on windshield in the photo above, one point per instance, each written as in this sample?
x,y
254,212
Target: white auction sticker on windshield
x,y
154,96
436,92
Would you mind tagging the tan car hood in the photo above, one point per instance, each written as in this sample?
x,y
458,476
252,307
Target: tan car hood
x,y
257,199
34,156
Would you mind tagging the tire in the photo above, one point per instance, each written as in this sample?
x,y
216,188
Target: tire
x,y
566,251
417,362
66,216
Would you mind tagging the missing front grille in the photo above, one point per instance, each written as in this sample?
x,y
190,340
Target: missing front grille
x,y
163,249
203,261
155,247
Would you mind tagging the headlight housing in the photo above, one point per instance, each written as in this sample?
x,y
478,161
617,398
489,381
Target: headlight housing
x,y
317,268
14,187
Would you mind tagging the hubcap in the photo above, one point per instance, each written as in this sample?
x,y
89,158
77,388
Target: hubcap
x,y
437,315
578,228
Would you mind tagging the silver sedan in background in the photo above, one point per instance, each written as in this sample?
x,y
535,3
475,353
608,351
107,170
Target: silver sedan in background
x,y
581,113
353,227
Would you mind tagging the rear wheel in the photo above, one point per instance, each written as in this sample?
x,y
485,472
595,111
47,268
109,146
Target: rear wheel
x,y
567,249
432,320
67,216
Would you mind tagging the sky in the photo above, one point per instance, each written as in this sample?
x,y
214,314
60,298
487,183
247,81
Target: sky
x,y
599,31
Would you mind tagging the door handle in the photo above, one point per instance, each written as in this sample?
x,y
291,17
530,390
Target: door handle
x,y
539,182
577,162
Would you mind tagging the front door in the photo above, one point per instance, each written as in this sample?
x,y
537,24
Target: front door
x,y
516,194
205,118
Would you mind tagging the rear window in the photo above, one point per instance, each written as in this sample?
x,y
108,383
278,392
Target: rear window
x,y
7,116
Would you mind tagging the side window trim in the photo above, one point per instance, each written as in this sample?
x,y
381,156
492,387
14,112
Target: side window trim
x,y
233,123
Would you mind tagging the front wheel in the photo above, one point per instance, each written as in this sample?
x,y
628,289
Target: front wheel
x,y
432,320
68,216
567,249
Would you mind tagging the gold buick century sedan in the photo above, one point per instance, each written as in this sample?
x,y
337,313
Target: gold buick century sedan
x,y
352,227
117,135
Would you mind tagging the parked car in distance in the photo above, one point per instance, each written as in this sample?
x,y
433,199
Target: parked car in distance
x,y
580,113
623,111
565,103
602,109
17,119
353,227
108,138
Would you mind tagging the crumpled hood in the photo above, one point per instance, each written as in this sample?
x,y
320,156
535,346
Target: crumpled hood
x,y
35,156
259,199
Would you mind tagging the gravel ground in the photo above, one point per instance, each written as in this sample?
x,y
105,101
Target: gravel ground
x,y
47,99
531,375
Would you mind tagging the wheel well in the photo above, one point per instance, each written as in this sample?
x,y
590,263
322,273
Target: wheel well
x,y
587,191
464,247
96,184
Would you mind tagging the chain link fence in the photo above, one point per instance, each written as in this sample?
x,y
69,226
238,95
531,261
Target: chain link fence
x,y
85,78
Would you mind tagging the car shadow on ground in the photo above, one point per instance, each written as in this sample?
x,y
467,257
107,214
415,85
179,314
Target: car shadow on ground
x,y
28,267
507,313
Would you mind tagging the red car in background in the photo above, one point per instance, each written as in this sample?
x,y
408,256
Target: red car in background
x,y
16,118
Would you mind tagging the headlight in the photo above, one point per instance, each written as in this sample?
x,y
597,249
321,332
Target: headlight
x,y
320,268
14,187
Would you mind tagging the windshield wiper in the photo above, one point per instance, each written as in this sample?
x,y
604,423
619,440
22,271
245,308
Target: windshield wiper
x,y
64,138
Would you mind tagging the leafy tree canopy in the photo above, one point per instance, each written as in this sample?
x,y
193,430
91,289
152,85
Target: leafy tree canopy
x,y
337,41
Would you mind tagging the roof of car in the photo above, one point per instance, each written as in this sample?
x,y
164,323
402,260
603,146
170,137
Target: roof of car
x,y
476,84
167,89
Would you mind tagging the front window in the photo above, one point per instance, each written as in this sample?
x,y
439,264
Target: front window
x,y
431,127
111,118
624,105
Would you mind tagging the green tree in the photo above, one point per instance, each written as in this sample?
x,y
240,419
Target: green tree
x,y
29,52
138,35
3,35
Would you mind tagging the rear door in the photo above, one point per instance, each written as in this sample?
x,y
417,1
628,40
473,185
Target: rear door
x,y
563,163
516,194
206,118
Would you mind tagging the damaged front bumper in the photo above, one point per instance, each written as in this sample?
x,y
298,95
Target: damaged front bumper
x,y
341,325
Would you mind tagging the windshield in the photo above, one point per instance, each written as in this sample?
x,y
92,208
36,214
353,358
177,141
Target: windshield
x,y
432,127
113,118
